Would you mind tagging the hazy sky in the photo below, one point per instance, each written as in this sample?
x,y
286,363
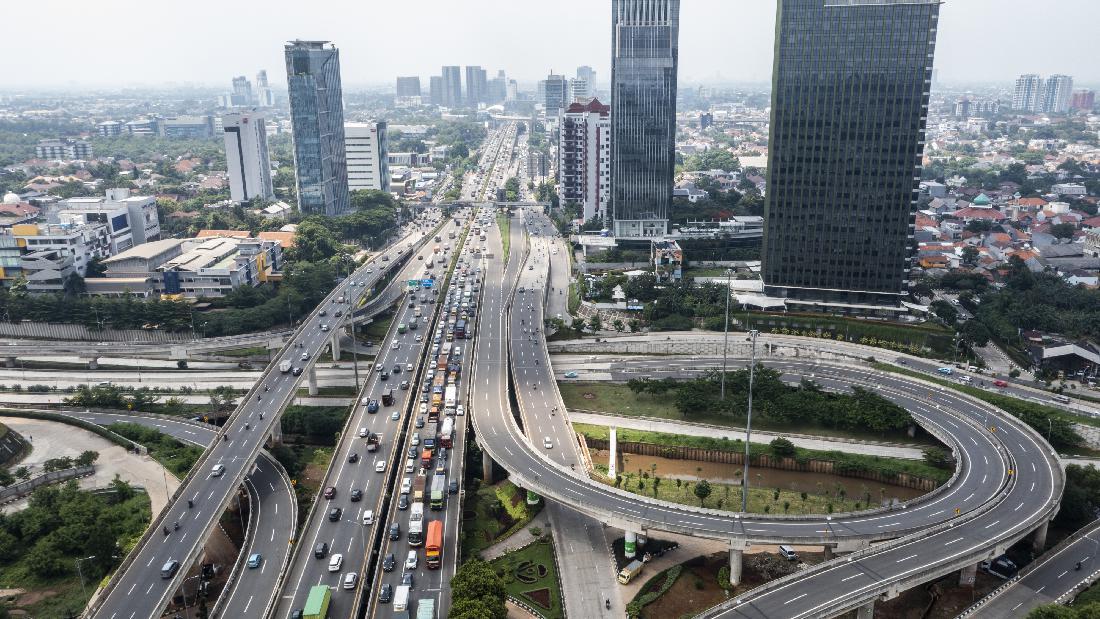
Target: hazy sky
x,y
130,42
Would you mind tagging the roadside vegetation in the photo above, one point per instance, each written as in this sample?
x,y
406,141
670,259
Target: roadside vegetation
x,y
530,576
494,513
169,452
477,592
505,225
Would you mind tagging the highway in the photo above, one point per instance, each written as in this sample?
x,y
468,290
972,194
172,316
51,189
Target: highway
x,y
994,507
273,515
345,534
137,589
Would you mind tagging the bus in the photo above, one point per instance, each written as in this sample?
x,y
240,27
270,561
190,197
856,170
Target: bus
x,y
445,349
460,329
434,549
416,524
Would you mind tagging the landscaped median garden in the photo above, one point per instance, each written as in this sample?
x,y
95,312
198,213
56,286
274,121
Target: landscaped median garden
x,y
531,577
493,513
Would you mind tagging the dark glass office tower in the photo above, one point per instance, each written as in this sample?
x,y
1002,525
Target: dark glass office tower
x,y
644,57
849,104
317,114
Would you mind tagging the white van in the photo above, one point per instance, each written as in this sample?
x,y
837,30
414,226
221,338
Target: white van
x,y
218,470
788,553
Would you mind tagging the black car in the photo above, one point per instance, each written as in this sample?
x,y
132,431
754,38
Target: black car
x,y
385,594
395,531
397,368
413,452
356,495
420,422
403,501
407,579
385,375
335,513
452,487
296,613
353,458
320,550
388,563
297,371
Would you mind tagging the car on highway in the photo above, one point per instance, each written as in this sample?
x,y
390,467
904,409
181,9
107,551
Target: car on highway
x,y
385,593
413,452
255,560
372,406
330,492
397,368
452,487
403,502
411,560
363,432
378,367
320,550
547,443
419,337
419,422
350,579
335,513
296,371
356,495
396,345
336,562
305,356
353,458
415,439
570,374
380,466
395,531
324,327
368,517
389,562
169,568
946,371
395,415
218,470
1000,383
407,579
385,375
460,410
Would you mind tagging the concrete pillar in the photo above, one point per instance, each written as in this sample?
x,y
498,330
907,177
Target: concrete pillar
x,y
612,459
486,467
642,539
93,363
867,611
830,552
967,575
1039,538
736,554
334,343
312,380
630,544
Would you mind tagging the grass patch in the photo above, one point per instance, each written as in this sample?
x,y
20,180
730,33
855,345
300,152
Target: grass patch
x,y
619,399
574,299
331,391
254,351
376,329
843,462
170,453
505,225
715,272
534,564
927,339
495,513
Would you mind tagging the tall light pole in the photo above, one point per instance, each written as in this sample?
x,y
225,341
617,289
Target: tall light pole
x,y
748,424
83,592
726,337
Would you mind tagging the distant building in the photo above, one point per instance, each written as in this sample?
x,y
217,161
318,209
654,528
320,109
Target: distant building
x,y
408,86
188,127
475,86
317,118
367,154
242,92
668,261
265,97
584,158
66,149
143,126
1057,91
1083,100
130,220
452,86
580,91
1038,96
588,74
435,90
109,128
537,165
246,156
53,252
557,94
644,62
706,121
1028,93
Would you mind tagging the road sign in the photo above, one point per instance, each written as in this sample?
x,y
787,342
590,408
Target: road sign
x,y
413,283
427,283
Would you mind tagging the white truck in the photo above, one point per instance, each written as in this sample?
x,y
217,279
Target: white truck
x,y
450,397
284,366
401,598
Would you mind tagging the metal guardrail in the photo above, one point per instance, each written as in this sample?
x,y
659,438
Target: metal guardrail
x,y
15,491
246,545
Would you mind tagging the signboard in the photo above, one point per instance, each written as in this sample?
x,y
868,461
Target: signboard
x,y
413,284
427,283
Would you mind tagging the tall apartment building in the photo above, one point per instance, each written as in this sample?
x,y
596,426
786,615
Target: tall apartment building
x,y
584,158
644,61
1057,90
556,96
242,92
246,156
317,118
580,90
1026,96
435,90
368,154
265,97
840,204
1083,100
452,86
476,85
408,86
588,74
66,149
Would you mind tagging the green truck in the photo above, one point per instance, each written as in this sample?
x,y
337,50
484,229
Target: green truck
x,y
317,603
425,609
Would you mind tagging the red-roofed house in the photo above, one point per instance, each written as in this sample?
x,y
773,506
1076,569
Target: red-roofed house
x,y
971,213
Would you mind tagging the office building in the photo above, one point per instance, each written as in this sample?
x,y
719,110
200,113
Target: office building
x,y
579,90
368,155
497,89
588,74
556,97
452,86
706,121
187,127
1083,100
584,158
265,97
435,90
110,128
130,220
317,119
242,92
1057,90
645,55
408,86
66,149
840,204
143,126
53,252
246,156
475,86
512,91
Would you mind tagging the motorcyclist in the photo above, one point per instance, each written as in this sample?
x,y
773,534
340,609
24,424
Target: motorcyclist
x,y
176,526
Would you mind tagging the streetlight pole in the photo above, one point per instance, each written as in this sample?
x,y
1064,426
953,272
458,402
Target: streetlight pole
x,y
748,425
83,592
726,337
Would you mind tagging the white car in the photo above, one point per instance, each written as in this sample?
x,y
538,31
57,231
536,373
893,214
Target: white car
x,y
547,443
423,408
411,560
368,517
380,466
461,410
396,345
415,439
419,338
362,433
335,562
408,367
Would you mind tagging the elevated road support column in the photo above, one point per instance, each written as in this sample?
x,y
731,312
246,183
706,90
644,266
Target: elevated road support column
x,y
737,553
334,344
612,448
486,467
630,544
968,575
93,363
1039,538
867,611
312,380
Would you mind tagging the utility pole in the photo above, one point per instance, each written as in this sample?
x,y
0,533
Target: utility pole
x,y
726,337
748,425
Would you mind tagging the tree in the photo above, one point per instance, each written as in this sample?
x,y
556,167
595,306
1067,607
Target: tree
x,y
6,478
970,255
1063,231
595,323
86,458
702,491
939,458
945,311
782,448
477,591
634,325
618,325
23,473
313,242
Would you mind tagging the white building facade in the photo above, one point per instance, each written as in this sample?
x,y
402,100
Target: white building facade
x,y
367,155
584,158
246,156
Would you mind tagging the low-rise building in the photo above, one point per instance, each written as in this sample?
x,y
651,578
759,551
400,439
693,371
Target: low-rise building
x,y
64,150
131,220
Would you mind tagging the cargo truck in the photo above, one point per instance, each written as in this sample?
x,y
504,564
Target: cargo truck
x,y
401,598
374,440
317,603
446,434
425,609
285,365
451,398
439,490
418,488
433,551
628,573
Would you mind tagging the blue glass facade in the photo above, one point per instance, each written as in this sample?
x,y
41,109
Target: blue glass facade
x,y
849,105
317,114
644,58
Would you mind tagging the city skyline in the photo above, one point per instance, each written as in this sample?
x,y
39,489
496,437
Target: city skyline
x,y
711,52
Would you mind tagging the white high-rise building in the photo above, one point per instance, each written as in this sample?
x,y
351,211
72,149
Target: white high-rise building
x,y
1028,91
247,157
1057,90
588,74
265,97
580,90
584,157
367,155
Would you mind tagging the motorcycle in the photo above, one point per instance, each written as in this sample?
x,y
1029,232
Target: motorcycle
x,y
176,526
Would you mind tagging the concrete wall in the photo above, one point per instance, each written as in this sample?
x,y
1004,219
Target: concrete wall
x,y
58,331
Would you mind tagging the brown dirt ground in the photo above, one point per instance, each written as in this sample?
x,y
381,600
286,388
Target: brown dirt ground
x,y
950,598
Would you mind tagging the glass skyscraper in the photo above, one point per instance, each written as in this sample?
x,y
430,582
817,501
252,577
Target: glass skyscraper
x,y
850,92
317,114
644,58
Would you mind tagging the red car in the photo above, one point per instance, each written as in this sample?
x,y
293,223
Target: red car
x,y
330,492
1000,383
